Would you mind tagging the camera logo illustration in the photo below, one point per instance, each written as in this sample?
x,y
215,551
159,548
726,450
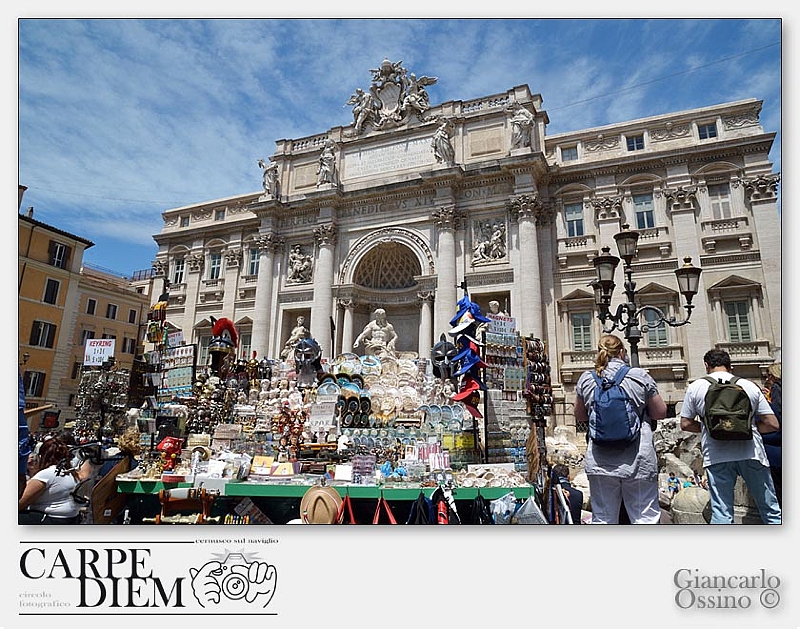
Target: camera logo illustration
x,y
236,578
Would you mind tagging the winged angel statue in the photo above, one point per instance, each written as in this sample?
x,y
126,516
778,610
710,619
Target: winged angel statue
x,y
393,96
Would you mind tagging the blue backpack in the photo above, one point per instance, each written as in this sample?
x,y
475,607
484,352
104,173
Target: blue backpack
x,y
613,420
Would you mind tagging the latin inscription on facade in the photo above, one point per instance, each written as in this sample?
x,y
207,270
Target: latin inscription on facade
x,y
484,192
369,209
391,157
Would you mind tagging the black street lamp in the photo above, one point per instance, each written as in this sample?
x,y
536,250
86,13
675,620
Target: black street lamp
x,y
626,316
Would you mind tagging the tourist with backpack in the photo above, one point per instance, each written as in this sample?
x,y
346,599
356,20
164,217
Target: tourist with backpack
x,y
725,409
621,405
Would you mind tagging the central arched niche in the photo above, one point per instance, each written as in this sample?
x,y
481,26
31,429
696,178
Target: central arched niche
x,y
388,266
388,273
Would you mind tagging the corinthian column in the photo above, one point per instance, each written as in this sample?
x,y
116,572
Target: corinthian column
x,y
530,213
445,308
425,323
194,268
347,329
267,244
322,308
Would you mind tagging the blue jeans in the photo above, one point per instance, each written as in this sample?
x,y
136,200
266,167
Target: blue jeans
x,y
721,481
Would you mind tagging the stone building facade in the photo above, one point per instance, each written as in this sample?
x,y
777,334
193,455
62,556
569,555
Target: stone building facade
x,y
399,207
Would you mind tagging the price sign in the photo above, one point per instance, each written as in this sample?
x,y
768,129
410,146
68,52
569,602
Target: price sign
x,y
500,324
98,351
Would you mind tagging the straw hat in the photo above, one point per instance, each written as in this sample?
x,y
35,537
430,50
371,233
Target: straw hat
x,y
320,505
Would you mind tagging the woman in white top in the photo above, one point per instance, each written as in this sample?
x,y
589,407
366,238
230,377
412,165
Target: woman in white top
x,y
48,496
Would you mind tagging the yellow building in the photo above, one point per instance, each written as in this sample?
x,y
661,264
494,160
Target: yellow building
x,y
50,261
62,304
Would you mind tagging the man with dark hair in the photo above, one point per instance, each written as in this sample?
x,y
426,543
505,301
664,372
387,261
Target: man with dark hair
x,y
724,460
560,482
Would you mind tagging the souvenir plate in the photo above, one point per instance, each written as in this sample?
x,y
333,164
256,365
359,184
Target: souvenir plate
x,y
348,363
434,415
407,367
389,366
328,388
370,366
350,390
389,380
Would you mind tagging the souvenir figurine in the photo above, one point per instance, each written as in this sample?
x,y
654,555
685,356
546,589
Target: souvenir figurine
x,y
222,348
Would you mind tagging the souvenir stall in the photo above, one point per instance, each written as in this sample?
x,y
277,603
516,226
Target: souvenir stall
x,y
254,441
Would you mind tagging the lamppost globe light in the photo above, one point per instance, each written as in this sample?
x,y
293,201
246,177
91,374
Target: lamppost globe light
x,y
688,277
597,288
626,243
605,265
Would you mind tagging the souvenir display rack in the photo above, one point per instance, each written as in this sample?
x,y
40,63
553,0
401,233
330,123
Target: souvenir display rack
x,y
538,390
177,369
505,361
102,402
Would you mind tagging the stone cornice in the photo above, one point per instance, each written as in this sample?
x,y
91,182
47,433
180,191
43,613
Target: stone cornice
x,y
490,278
730,258
658,160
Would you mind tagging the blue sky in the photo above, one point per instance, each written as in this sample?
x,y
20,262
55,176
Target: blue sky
x,y
122,119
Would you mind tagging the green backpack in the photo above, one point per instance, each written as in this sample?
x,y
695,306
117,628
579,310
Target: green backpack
x,y
728,415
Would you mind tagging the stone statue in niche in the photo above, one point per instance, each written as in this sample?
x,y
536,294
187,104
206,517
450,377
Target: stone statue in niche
x,y
298,333
521,125
326,172
378,336
494,309
299,269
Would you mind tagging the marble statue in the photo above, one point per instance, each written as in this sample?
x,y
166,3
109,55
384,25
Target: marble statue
x,y
270,178
365,109
393,96
440,143
378,336
299,332
494,309
521,125
491,242
326,173
300,266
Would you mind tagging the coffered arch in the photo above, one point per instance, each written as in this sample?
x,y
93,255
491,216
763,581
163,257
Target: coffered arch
x,y
405,247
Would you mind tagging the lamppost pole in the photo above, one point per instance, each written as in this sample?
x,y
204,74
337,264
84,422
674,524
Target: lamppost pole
x,y
626,316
